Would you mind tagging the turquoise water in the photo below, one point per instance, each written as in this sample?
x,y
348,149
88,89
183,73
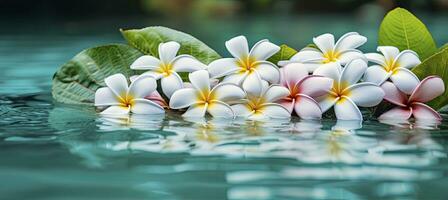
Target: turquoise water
x,y
56,151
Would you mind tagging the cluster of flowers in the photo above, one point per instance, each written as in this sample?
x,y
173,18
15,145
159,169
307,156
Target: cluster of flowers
x,y
335,74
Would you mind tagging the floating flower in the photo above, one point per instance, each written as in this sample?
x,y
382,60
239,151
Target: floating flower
x,y
200,99
428,89
122,99
347,94
395,65
303,89
262,106
167,66
247,68
327,51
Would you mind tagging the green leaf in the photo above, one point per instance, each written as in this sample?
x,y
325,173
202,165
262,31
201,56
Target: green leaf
x,y
402,29
437,64
78,79
285,53
147,40
443,47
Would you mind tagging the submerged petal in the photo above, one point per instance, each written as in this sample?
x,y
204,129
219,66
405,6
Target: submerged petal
x,y
376,74
183,98
393,94
422,111
171,83
105,97
146,62
144,106
238,47
268,71
118,84
168,51
220,109
324,42
307,108
263,50
405,80
346,109
428,89
397,114
187,63
366,94
222,67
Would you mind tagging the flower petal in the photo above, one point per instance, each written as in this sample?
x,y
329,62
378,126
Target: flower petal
x,y
287,103
405,80
346,109
353,71
157,98
422,111
183,98
351,40
187,63
142,86
238,47
242,110
308,55
168,51
350,55
398,114
252,84
236,78
330,70
146,63
393,94
389,52
196,110
200,80
315,86
220,109
226,92
116,110
144,106
105,97
365,94
324,42
326,102
428,89
171,83
268,71
376,58
376,74
118,84
274,110
223,67
275,93
291,74
307,108
407,59
263,50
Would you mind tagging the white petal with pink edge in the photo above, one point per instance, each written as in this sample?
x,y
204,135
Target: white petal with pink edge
x,y
287,103
422,111
393,95
307,108
428,89
315,86
397,113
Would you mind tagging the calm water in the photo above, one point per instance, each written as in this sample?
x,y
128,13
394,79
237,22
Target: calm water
x,y
55,151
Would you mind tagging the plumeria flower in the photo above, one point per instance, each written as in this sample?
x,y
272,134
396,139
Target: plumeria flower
x,y
201,99
122,99
347,94
262,106
395,65
303,89
343,51
247,68
428,89
167,66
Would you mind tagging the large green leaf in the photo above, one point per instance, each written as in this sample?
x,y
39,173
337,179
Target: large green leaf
x,y
148,39
402,29
437,64
78,79
285,53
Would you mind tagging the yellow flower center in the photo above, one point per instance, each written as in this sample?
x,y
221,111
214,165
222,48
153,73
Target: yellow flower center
x,y
205,96
338,91
165,69
391,65
256,104
247,64
331,56
127,101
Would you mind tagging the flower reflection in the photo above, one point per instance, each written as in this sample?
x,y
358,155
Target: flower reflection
x,y
417,124
127,122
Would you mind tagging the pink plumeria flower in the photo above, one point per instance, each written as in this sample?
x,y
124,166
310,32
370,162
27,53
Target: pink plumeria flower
x,y
393,65
428,89
262,105
122,99
343,51
247,68
202,98
167,67
347,94
303,89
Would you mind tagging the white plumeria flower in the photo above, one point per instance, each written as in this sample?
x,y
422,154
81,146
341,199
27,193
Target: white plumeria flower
x,y
343,51
201,99
262,106
247,68
347,94
167,66
122,99
395,65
